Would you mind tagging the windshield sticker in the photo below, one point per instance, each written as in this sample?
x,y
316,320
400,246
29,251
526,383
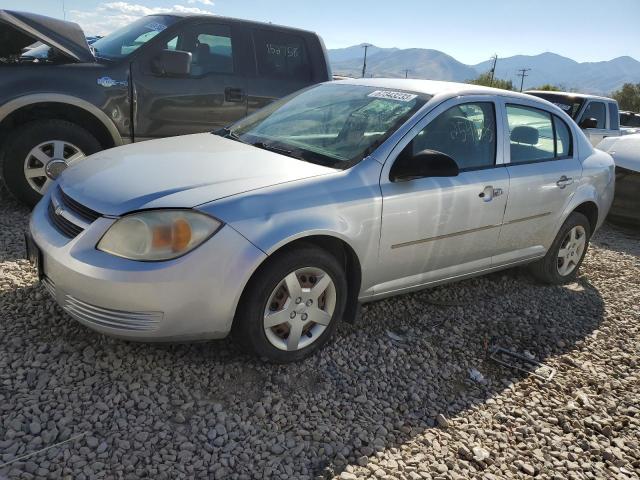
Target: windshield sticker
x,y
391,95
156,27
566,108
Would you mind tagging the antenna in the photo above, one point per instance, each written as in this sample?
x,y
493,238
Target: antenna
x,y
64,11
522,74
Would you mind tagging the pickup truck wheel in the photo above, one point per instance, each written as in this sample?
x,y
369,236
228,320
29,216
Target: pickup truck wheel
x,y
37,152
562,261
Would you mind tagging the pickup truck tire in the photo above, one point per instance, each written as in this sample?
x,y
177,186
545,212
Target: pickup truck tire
x,y
563,259
19,147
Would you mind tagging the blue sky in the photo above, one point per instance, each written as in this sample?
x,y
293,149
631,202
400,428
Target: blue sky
x,y
471,30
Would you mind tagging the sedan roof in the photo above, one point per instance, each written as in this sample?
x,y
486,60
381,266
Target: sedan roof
x,y
434,87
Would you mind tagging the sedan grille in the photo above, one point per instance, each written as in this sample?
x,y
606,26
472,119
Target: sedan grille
x,y
69,216
65,226
85,212
109,318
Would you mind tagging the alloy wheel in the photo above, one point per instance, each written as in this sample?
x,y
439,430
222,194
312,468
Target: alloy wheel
x,y
299,309
571,250
45,162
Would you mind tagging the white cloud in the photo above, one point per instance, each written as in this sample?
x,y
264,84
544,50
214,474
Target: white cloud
x,y
112,15
204,2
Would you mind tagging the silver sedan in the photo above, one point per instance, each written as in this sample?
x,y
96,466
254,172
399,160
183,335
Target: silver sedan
x,y
276,228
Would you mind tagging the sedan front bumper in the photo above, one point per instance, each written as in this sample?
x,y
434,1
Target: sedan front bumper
x,y
193,297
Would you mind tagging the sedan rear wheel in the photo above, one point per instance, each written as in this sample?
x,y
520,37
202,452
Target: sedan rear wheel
x,y
292,305
564,257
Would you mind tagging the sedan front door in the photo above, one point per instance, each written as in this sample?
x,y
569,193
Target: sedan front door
x,y
444,227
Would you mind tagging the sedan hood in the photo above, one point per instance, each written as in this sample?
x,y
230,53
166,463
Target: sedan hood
x,y
178,172
625,150
26,28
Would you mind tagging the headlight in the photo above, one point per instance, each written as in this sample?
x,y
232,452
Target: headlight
x,y
157,234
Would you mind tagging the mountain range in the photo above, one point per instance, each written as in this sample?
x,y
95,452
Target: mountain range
x,y
567,74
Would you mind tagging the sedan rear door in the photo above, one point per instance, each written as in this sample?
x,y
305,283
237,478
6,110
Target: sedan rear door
x,y
544,170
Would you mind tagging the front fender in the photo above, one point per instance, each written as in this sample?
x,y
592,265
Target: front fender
x,y
346,206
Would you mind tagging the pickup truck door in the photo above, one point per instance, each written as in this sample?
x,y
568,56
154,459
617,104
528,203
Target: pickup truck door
x,y
212,96
597,109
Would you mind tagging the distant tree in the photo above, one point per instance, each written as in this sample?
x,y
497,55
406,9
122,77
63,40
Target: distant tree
x,y
485,79
548,87
628,97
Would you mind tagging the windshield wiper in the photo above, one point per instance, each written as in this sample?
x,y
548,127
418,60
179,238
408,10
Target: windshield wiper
x,y
227,133
273,148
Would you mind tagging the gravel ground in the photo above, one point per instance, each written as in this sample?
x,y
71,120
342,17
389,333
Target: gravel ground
x,y
390,398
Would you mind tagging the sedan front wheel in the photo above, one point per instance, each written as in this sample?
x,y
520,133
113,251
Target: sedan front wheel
x,y
292,305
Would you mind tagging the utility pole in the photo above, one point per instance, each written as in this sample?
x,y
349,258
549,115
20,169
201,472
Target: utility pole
x,y
406,73
522,74
364,63
493,69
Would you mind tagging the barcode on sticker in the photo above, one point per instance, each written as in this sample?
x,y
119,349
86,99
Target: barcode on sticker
x,y
391,95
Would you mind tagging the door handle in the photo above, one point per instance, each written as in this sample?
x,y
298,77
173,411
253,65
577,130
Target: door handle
x,y
233,94
487,194
563,181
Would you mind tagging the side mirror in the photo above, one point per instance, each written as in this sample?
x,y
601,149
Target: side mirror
x,y
174,63
588,123
427,163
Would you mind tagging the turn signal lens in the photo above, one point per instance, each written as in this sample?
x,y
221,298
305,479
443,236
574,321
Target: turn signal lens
x,y
158,234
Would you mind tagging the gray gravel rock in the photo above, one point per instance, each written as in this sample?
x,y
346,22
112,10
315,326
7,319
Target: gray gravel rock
x,y
367,406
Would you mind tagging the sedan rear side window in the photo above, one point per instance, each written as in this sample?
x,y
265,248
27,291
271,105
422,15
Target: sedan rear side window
x,y
282,55
467,133
536,135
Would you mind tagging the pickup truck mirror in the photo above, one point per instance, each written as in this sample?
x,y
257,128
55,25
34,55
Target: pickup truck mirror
x,y
174,63
588,123
427,163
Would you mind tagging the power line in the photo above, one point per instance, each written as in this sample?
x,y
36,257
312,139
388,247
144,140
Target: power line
x,y
522,74
364,63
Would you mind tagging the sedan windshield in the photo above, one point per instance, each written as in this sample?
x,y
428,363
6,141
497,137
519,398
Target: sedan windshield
x,y
128,39
331,124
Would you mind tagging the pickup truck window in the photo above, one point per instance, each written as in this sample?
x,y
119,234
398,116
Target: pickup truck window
x,y
595,110
211,47
614,116
128,39
281,55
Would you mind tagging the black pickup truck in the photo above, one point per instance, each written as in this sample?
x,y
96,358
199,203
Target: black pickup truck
x,y
162,75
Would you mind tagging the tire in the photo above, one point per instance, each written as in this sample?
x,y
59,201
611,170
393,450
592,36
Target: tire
x,y
267,292
25,138
550,268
